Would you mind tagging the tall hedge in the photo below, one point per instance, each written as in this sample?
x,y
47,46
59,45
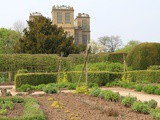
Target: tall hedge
x,y
144,55
99,77
35,78
32,62
151,76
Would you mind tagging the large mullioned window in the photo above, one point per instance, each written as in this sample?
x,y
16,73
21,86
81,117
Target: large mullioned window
x,y
59,17
67,18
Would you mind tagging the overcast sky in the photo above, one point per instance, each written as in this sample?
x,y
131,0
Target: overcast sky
x,y
130,19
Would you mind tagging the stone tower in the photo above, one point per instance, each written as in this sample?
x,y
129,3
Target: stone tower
x,y
82,29
63,16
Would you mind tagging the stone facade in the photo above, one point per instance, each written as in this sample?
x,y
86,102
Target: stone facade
x,y
63,16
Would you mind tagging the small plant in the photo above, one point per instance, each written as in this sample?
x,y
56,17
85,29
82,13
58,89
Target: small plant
x,y
62,85
40,87
3,111
102,94
72,86
91,85
128,101
82,89
25,87
155,113
50,89
17,99
157,91
95,92
141,107
139,87
150,89
152,103
7,105
8,94
111,96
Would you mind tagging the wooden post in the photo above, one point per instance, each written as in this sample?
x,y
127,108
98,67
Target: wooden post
x,y
124,66
59,67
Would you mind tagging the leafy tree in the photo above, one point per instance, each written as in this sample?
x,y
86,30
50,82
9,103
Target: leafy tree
x,y
130,45
19,26
111,43
8,39
42,37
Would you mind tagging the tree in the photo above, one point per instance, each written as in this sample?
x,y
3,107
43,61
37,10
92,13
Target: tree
x,y
8,39
42,37
96,47
130,45
111,43
19,26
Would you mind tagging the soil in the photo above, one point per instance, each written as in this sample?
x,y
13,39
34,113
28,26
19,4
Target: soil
x,y
7,83
16,112
85,107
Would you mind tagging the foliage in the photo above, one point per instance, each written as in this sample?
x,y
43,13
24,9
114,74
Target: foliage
x,y
25,87
130,45
138,87
72,86
155,113
111,96
144,55
82,89
154,67
128,101
22,71
152,103
111,43
3,79
35,79
91,85
8,39
99,77
102,94
157,91
95,91
141,76
42,37
51,89
141,107
38,62
3,111
150,89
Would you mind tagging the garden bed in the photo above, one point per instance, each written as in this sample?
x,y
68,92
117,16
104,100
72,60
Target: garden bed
x,y
83,107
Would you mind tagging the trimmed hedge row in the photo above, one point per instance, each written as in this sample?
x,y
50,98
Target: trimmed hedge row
x,y
34,62
35,78
101,77
152,76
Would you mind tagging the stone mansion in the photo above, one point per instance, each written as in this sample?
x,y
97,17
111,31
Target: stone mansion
x,y
63,16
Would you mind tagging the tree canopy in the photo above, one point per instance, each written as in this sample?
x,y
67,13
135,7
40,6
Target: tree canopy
x,y
42,37
8,39
111,43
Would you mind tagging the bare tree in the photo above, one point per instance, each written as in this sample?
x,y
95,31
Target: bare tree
x,y
19,26
111,43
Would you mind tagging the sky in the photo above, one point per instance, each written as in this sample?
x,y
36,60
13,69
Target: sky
x,y
129,19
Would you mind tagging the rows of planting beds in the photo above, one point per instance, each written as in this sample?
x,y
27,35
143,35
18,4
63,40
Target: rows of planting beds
x,y
19,108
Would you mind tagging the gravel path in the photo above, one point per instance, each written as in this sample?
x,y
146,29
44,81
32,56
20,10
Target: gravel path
x,y
140,95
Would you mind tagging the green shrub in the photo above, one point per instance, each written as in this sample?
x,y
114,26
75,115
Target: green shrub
x,y
40,87
111,96
25,87
35,79
22,71
138,87
3,111
72,86
152,103
17,99
82,89
155,113
157,91
51,89
95,91
7,105
154,67
99,77
143,76
150,89
141,107
102,94
144,55
62,85
128,101
91,85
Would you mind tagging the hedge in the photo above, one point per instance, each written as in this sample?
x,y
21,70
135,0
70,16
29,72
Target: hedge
x,y
100,77
144,55
34,79
152,76
31,62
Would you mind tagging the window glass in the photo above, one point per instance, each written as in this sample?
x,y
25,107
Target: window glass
x,y
59,17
